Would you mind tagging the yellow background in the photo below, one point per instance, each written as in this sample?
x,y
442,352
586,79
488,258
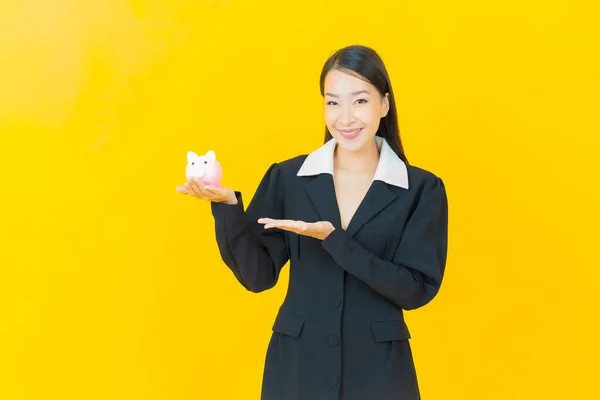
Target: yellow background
x,y
111,285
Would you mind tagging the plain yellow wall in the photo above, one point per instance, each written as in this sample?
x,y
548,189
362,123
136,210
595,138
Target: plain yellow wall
x,y
111,285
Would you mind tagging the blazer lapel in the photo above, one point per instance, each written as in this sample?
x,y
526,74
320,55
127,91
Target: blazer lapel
x,y
321,192
378,197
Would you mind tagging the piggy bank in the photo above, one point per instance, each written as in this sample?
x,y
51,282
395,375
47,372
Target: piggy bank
x,y
205,168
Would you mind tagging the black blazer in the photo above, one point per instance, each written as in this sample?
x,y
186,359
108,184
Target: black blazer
x,y
340,332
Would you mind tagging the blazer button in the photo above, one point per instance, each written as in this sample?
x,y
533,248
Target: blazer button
x,y
333,340
337,302
332,380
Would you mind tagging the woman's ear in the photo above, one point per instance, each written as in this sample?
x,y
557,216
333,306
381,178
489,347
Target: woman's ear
x,y
385,101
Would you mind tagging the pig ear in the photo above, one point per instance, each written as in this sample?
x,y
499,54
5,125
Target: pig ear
x,y
191,155
211,155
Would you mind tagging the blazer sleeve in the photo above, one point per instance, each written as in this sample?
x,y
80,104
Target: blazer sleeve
x,y
414,275
255,255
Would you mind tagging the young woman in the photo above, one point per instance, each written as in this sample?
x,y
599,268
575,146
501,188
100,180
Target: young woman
x,y
366,237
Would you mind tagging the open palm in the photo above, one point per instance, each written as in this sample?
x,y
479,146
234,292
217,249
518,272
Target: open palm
x,y
218,194
319,230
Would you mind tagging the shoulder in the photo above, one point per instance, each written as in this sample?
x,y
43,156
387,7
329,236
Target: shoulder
x,y
281,174
419,174
421,180
289,167
292,164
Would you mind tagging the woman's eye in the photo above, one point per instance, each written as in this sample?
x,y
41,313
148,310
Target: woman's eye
x,y
359,101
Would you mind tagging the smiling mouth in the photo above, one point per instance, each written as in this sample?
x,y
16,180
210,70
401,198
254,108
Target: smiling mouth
x,y
350,134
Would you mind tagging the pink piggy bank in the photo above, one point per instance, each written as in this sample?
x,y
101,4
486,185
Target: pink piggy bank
x,y
206,168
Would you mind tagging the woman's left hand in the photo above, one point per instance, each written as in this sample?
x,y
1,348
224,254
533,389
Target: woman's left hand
x,y
319,230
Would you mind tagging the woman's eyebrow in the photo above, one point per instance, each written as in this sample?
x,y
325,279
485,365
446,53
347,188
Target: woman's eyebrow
x,y
353,93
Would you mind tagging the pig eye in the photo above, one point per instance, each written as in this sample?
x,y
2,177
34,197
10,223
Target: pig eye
x,y
205,162
192,163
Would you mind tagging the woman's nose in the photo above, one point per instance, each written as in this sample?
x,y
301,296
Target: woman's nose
x,y
346,117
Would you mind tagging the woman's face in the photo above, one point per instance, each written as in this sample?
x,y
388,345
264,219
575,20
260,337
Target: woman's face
x,y
353,109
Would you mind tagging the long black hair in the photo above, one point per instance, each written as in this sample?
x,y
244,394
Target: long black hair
x,y
366,64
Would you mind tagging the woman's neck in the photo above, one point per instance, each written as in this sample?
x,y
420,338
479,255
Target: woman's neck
x,y
364,160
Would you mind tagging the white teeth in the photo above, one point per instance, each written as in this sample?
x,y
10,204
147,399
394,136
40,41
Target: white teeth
x,y
351,133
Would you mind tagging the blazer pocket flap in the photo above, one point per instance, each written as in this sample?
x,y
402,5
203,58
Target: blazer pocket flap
x,y
288,324
389,330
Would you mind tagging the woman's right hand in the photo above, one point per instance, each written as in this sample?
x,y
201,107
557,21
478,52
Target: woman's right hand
x,y
217,194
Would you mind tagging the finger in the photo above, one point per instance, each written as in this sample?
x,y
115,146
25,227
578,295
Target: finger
x,y
272,222
286,224
282,227
195,186
189,189
207,194
275,222
216,192
274,225
214,189
181,189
